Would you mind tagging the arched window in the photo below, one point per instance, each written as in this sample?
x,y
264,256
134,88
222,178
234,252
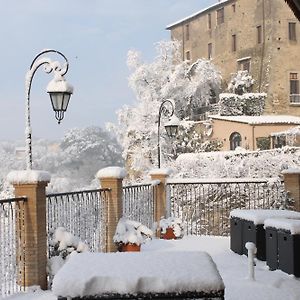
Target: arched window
x,y
235,140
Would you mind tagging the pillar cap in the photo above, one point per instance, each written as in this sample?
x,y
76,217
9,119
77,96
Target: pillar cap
x,y
111,172
28,177
165,172
291,171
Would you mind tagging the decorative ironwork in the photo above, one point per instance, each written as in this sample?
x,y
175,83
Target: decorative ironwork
x,y
82,213
138,203
205,206
12,249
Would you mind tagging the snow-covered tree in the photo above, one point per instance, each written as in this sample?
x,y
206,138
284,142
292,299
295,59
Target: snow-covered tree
x,y
191,86
241,83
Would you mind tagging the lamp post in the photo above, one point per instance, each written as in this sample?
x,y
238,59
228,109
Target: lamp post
x,y
167,109
59,90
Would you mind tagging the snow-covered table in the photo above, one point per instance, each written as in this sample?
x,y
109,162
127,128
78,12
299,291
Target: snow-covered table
x,y
247,225
144,275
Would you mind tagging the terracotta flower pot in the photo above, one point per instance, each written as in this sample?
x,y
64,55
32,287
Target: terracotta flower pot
x,y
130,248
169,235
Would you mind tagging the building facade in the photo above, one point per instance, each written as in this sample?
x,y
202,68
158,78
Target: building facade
x,y
261,36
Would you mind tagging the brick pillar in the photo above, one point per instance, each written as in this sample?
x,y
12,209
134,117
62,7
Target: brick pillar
x,y
112,178
32,184
291,179
160,200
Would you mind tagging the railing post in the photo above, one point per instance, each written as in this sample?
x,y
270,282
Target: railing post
x,y
160,199
291,179
32,185
112,178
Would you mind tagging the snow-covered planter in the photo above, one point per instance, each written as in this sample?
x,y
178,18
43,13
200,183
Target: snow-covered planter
x,y
230,105
130,235
62,244
253,103
171,228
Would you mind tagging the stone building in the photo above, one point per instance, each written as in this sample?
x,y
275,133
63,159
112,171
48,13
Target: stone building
x,y
261,36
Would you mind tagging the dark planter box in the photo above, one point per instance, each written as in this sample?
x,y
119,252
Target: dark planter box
x,y
236,242
243,231
272,248
256,234
289,252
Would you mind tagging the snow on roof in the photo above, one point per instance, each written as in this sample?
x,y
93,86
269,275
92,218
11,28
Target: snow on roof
x,y
28,176
197,13
111,172
293,226
252,120
89,274
258,216
291,131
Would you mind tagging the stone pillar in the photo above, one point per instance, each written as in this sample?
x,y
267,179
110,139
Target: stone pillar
x,y
291,179
160,200
32,185
112,178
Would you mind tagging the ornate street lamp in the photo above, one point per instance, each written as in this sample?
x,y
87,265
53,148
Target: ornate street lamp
x,y
167,109
58,88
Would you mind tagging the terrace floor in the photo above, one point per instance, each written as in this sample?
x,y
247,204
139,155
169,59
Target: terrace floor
x,y
269,285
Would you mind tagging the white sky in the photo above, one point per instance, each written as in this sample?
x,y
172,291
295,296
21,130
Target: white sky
x,y
95,35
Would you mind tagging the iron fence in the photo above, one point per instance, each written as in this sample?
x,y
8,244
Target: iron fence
x,y
138,203
204,206
83,213
12,250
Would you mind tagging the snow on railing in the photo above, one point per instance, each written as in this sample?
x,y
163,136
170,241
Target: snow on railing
x,y
204,204
12,254
82,213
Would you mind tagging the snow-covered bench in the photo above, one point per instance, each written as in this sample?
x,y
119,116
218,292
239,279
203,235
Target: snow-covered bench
x,y
144,275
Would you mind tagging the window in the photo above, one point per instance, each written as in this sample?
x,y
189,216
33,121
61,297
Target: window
x,y
279,141
209,21
188,55
233,8
259,34
209,48
233,47
244,64
292,31
263,143
187,32
220,16
235,140
294,88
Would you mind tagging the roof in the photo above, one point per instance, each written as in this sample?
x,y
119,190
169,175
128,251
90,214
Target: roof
x,y
295,7
200,12
260,120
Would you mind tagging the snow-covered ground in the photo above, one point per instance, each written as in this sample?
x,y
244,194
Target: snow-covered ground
x,y
269,285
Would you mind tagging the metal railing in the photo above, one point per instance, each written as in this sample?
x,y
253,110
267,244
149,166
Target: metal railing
x,y
138,203
205,206
12,251
83,213
295,98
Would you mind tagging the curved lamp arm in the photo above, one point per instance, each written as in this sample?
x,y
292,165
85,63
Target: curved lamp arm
x,y
49,66
167,109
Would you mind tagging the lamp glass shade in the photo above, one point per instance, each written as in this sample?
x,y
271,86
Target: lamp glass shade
x,y
171,130
60,101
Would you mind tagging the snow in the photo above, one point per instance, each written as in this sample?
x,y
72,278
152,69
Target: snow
x,y
146,272
111,172
59,85
258,216
253,120
291,131
291,171
233,268
28,176
287,224
216,180
132,232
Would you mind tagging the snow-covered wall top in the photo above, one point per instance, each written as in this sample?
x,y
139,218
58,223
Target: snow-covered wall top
x,y
291,171
258,216
28,176
278,119
196,14
111,172
131,273
164,171
293,226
